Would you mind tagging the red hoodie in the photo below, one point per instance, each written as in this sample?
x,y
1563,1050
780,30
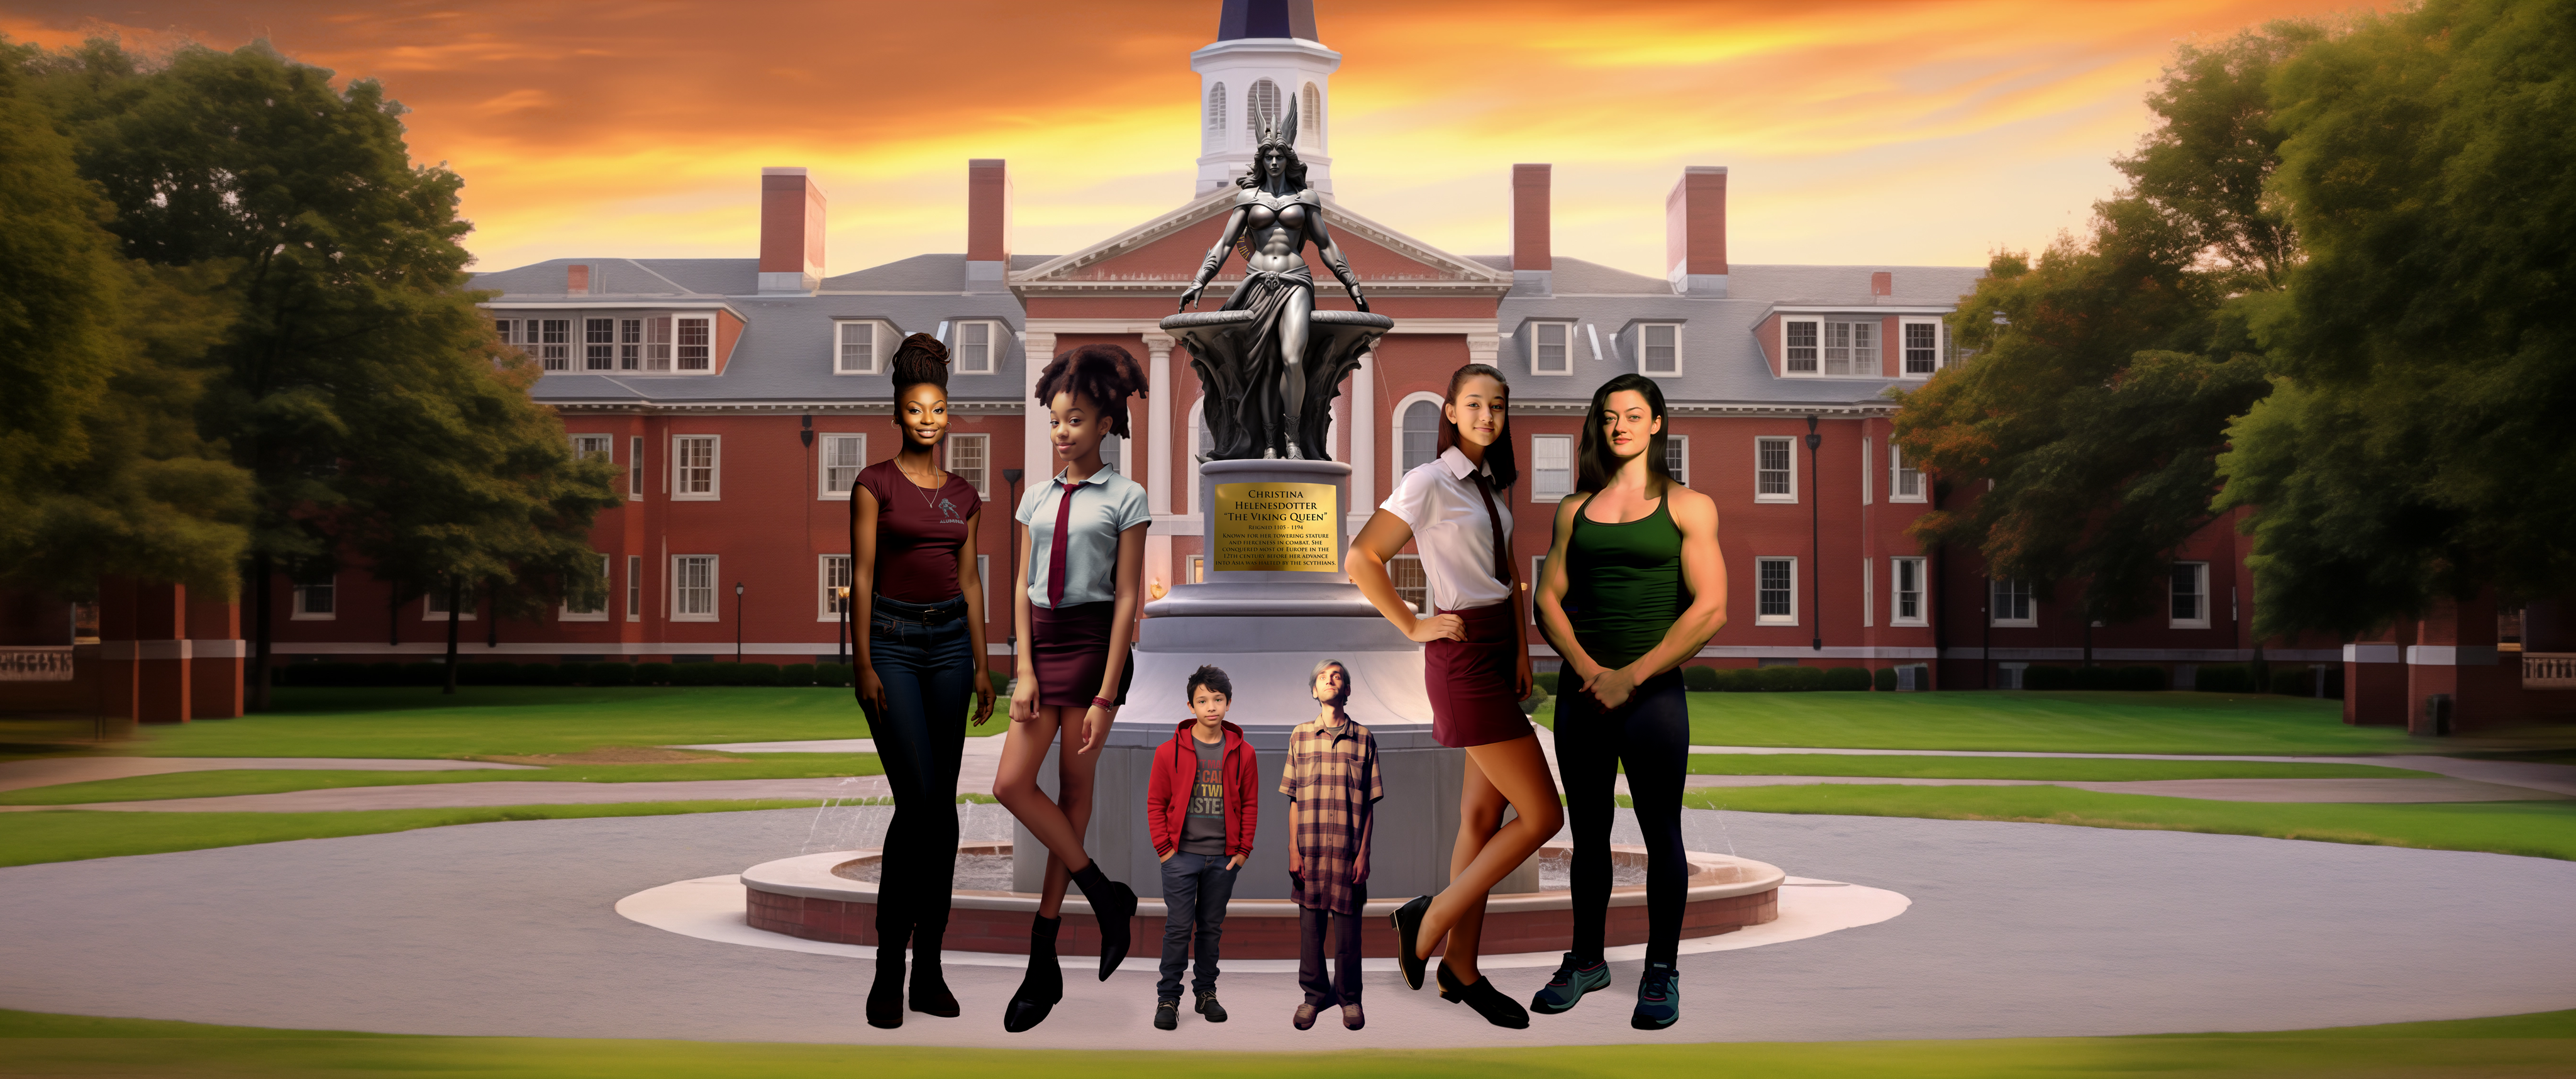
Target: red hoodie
x,y
1176,768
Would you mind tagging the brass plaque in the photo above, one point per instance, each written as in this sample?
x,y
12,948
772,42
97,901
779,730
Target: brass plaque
x,y
1275,526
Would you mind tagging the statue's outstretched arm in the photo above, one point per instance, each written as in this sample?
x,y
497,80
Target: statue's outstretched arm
x,y
1215,257
1333,260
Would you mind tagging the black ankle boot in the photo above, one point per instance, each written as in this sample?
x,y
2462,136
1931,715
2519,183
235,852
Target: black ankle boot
x,y
1114,906
1043,985
885,996
930,995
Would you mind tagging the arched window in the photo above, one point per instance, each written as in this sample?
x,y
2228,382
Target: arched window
x,y
1421,434
1216,110
1261,108
1310,118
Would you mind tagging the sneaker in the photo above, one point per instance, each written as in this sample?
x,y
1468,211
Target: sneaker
x,y
1167,1014
1566,989
1208,1007
1659,998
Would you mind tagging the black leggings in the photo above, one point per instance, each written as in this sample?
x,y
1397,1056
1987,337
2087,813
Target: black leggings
x,y
1651,736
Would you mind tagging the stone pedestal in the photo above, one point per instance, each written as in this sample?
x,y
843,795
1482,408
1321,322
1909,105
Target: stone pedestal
x,y
1268,629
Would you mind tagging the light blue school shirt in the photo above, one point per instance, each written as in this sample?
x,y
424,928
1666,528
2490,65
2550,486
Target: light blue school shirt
x,y
1104,505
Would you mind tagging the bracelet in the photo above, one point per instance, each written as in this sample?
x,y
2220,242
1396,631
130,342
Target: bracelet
x,y
1103,702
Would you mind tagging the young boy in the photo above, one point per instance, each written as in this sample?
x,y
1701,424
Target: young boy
x,y
1331,780
1200,804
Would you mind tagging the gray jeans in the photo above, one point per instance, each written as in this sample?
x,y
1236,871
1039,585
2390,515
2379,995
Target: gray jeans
x,y
1195,890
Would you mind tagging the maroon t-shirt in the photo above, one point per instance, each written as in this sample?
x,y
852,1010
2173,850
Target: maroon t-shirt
x,y
918,533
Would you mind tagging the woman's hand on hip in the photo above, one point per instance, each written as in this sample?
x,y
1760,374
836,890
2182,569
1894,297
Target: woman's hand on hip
x,y
1438,627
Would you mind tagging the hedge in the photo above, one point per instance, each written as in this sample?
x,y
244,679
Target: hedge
x,y
1883,680
2225,678
1846,679
1700,679
1547,681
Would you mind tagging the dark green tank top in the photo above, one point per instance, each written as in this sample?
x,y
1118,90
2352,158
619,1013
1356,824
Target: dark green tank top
x,y
1624,583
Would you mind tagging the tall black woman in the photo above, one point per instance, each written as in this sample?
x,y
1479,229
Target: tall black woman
x,y
1633,585
913,586
1456,509
1082,564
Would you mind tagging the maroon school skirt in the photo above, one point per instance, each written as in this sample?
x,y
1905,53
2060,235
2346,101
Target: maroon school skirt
x,y
1471,681
1070,649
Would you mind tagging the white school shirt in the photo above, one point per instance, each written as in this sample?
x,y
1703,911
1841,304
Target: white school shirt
x,y
1452,532
1104,505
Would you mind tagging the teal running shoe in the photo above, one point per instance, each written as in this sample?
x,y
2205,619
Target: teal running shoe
x,y
1566,989
1659,998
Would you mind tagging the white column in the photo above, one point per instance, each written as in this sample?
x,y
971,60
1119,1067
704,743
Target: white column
x,y
1364,427
1035,454
1158,405
1482,347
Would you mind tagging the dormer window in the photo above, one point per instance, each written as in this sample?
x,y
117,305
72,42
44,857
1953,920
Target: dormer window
x,y
546,340
854,349
1829,346
1659,349
1551,348
976,342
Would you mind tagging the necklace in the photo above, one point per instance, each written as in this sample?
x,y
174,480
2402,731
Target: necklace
x,y
928,494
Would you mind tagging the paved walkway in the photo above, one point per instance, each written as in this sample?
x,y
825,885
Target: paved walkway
x,y
2223,790
48,771
2553,778
2016,930
982,759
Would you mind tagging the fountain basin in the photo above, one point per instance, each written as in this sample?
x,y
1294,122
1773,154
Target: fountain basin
x,y
817,897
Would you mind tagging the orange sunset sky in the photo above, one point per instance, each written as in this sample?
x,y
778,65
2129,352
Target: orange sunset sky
x,y
1892,133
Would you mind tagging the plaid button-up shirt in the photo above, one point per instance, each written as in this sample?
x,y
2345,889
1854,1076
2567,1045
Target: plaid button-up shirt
x,y
1332,781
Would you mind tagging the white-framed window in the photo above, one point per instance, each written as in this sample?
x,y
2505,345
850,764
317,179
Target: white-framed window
x,y
630,344
1198,568
1677,458
1775,591
1417,434
1410,584
317,596
967,457
696,468
1659,349
1851,348
693,344
635,468
1551,467
1905,593
839,459
635,588
1868,593
1904,481
1775,470
551,339
833,574
1551,348
2011,604
433,604
1921,345
693,588
595,612
977,341
1798,345
657,343
599,344
585,447
2008,675
2190,595
854,349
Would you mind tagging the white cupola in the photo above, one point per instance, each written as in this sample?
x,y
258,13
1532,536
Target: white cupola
x,y
1264,57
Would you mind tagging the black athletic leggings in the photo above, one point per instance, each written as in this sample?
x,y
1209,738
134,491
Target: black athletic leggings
x,y
1651,736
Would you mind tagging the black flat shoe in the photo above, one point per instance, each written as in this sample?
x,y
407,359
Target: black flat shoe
x,y
1500,1010
1408,926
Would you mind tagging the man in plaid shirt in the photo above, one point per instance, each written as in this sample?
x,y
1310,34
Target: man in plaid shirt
x,y
1331,781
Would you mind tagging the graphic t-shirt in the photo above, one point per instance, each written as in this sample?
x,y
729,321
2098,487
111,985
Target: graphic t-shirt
x,y
1204,830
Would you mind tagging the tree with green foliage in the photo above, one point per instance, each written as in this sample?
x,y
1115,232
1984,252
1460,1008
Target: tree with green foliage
x,y
2426,349
101,468
2104,374
356,362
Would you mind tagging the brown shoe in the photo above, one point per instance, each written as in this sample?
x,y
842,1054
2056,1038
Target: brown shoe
x,y
1305,1017
1351,1017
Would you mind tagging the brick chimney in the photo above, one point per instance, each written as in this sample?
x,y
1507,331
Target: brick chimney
x,y
577,280
1695,232
988,224
1533,264
791,231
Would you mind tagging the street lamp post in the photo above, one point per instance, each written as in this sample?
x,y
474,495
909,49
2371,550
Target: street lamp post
x,y
841,641
1816,533
737,622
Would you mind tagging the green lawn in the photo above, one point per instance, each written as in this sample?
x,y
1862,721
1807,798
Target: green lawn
x,y
2089,769
266,781
2101,722
64,835
2542,1044
2535,829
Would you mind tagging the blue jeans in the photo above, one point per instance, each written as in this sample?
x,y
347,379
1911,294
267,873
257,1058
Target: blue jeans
x,y
1195,890
929,676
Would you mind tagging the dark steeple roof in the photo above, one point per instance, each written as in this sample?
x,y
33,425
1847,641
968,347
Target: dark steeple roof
x,y
1266,18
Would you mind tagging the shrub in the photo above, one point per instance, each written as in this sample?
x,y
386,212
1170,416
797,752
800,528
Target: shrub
x,y
2148,679
1789,679
424,674
1883,680
487,674
2293,681
2048,678
1001,688
2225,678
1739,680
796,674
753,674
831,674
695,674
612,674
1701,679
549,674
1536,698
2095,678
654,674
387,673
1847,679
1546,682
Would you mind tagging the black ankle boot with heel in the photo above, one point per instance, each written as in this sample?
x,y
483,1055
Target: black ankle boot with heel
x,y
1043,986
1113,905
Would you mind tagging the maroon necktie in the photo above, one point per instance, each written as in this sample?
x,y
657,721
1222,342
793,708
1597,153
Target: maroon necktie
x,y
1502,545
1055,557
